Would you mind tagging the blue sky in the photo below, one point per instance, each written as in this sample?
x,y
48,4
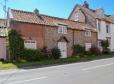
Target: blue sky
x,y
58,8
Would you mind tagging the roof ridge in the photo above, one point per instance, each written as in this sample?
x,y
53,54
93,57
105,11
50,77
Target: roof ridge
x,y
60,18
33,13
23,11
18,10
54,17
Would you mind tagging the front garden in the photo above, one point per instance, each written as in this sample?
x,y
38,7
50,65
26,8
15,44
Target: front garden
x,y
51,62
21,57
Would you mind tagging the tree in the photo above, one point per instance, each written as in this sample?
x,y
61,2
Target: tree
x,y
105,44
16,44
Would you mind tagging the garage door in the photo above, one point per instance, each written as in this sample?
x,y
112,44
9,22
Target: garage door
x,y
2,48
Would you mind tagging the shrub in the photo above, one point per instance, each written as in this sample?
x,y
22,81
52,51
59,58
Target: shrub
x,y
2,60
94,50
45,52
32,55
56,53
78,49
49,53
106,51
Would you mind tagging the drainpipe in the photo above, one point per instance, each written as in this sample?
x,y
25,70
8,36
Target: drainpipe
x,y
73,37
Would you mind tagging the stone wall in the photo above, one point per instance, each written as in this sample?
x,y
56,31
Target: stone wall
x,y
52,36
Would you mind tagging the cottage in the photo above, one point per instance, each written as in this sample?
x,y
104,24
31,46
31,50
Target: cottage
x,y
40,30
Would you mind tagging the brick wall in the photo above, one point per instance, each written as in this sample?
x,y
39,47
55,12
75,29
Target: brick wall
x,y
80,38
30,31
48,36
52,36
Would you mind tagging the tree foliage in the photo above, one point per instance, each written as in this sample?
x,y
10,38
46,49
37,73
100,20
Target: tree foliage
x,y
105,44
16,44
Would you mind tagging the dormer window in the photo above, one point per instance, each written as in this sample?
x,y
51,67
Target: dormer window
x,y
62,29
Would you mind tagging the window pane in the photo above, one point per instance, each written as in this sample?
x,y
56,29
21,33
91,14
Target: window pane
x,y
65,30
107,29
59,29
99,27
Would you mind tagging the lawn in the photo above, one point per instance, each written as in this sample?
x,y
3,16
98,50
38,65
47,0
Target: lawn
x,y
7,66
51,62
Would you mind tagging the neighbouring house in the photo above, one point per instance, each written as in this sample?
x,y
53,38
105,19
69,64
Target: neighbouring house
x,y
97,19
40,31
112,32
3,39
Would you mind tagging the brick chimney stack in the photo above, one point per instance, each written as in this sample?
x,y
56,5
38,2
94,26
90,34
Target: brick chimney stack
x,y
86,5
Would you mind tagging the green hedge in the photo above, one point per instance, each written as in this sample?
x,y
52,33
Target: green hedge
x,y
78,49
32,55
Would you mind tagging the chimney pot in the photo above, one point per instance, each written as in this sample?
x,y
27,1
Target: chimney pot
x,y
36,11
85,5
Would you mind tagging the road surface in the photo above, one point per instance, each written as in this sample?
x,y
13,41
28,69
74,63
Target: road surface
x,y
94,72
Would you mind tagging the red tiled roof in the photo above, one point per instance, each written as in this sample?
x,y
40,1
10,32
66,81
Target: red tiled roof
x,y
31,17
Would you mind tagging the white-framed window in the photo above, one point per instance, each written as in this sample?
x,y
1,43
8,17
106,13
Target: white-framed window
x,y
88,46
76,17
99,43
88,33
30,44
99,26
62,29
107,28
2,31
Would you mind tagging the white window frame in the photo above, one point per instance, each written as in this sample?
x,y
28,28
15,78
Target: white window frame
x,y
76,17
99,26
29,44
88,46
62,29
88,33
2,31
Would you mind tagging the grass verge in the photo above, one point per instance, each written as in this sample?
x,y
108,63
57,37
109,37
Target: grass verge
x,y
74,59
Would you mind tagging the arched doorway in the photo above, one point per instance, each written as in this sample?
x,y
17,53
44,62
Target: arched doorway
x,y
62,45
